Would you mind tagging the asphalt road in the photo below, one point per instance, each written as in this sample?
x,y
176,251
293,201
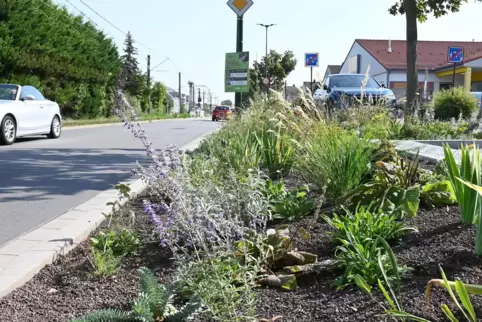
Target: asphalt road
x,y
40,179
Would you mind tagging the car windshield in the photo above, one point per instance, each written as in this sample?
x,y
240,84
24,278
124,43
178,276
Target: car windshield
x,y
352,81
8,92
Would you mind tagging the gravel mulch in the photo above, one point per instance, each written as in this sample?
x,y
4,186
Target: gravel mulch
x,y
66,289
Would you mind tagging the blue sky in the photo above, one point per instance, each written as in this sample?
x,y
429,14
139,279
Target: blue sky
x,y
196,34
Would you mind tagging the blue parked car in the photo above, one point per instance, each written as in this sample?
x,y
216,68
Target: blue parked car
x,y
344,90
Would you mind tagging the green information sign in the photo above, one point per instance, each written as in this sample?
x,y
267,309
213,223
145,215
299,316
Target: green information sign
x,y
236,75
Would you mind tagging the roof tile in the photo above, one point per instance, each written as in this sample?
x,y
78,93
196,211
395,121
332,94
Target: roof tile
x,y
431,54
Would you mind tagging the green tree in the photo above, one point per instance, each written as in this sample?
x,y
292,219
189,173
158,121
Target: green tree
x,y
419,10
130,67
227,103
279,67
158,97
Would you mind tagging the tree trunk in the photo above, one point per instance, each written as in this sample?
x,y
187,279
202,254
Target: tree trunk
x,y
412,75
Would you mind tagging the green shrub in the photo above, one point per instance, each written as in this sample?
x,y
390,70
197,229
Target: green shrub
x,y
453,103
123,241
288,204
360,250
334,160
224,286
435,130
366,222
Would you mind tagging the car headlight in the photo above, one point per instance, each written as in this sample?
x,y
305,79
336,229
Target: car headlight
x,y
389,96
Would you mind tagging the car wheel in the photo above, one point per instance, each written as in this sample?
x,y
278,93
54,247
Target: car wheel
x,y
9,130
214,119
55,128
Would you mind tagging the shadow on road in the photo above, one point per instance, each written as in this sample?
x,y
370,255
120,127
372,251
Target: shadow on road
x,y
39,174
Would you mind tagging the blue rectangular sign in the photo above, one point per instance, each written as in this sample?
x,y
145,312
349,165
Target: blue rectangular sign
x,y
311,60
456,55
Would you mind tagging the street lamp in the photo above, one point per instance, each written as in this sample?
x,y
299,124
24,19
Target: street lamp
x,y
266,56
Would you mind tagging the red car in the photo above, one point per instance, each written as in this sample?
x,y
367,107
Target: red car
x,y
221,113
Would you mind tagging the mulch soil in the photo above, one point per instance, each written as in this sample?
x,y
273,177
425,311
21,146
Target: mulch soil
x,y
66,289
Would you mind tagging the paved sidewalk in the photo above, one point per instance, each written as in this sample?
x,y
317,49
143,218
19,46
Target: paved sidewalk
x,y
22,258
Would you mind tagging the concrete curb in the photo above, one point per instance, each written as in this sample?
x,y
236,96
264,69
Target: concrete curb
x,y
22,258
426,152
87,126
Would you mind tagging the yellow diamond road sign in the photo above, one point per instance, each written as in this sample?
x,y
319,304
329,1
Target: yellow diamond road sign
x,y
240,6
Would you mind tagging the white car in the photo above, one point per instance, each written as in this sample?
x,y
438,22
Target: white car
x,y
24,111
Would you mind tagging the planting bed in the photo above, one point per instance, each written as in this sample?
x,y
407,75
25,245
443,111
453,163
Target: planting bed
x,y
66,289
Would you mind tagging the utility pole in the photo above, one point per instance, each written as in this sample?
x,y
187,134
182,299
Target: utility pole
x,y
180,95
204,100
149,83
266,53
191,95
210,101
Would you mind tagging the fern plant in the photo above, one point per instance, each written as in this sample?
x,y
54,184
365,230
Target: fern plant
x,y
153,304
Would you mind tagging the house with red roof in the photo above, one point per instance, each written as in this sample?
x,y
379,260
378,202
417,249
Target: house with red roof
x,y
388,63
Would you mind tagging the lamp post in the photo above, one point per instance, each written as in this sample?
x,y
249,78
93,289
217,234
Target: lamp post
x,y
266,55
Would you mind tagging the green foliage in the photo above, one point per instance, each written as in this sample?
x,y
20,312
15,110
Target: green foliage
x,y
279,67
366,222
158,98
288,204
361,247
426,7
269,249
363,255
225,287
262,139
277,148
438,194
154,303
122,242
454,103
394,190
396,308
470,171
435,130
104,263
334,160
68,59
182,109
227,103
130,67
478,216
462,290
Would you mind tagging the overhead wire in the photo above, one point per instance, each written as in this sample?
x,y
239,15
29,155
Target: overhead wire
x,y
169,59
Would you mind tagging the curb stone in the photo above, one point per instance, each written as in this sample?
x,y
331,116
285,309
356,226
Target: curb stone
x,y
22,258
426,152
87,126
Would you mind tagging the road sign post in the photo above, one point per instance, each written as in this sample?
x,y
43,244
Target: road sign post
x,y
455,56
239,7
311,60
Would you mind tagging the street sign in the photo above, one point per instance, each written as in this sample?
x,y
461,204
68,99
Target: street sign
x,y
236,72
240,6
456,55
266,80
311,60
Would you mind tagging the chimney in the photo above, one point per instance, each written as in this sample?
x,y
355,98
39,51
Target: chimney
x,y
389,46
